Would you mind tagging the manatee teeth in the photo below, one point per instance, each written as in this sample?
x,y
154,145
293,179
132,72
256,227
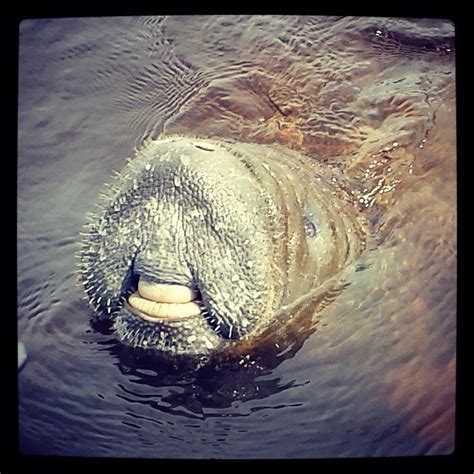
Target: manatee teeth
x,y
166,293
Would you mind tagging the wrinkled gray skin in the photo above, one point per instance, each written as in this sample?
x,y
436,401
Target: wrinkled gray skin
x,y
252,227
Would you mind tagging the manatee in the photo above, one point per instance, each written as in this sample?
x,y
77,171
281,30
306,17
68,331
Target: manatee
x,y
200,244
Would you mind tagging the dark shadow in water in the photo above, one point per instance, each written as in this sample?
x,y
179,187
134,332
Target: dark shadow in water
x,y
197,386
193,386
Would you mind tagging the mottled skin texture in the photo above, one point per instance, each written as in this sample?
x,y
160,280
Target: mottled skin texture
x,y
252,227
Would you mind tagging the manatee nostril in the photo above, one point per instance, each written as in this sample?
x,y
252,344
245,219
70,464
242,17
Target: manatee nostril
x,y
204,146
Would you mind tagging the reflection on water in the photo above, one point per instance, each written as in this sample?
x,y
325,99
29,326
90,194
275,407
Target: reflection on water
x,y
365,366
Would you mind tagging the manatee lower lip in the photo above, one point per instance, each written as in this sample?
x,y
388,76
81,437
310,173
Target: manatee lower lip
x,y
155,302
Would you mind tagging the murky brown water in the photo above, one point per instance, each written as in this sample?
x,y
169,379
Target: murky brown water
x,y
368,370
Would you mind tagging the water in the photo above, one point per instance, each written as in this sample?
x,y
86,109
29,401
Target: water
x,y
368,370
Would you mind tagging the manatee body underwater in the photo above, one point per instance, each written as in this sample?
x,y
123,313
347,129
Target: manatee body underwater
x,y
200,243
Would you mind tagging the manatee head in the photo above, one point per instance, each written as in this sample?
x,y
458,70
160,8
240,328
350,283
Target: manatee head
x,y
199,243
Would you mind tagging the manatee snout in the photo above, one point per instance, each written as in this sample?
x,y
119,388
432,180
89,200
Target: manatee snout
x,y
199,243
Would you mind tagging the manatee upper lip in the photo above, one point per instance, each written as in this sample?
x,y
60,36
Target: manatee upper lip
x,y
166,292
